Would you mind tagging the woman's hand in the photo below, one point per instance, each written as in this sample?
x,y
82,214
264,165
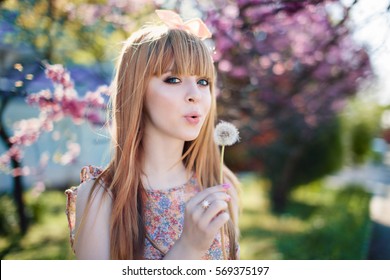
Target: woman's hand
x,y
204,216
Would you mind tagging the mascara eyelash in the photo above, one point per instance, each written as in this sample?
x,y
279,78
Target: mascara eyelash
x,y
167,80
205,79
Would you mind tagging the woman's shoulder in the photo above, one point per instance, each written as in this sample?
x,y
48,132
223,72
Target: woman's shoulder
x,y
91,187
90,172
79,195
88,175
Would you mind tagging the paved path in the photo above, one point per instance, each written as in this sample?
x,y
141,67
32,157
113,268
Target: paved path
x,y
380,209
376,178
379,248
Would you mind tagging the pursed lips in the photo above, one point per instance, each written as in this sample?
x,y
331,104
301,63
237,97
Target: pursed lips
x,y
193,117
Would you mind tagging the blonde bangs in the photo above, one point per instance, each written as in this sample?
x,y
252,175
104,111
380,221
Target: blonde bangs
x,y
182,54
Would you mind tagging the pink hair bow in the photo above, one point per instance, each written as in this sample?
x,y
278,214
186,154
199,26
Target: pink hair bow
x,y
195,26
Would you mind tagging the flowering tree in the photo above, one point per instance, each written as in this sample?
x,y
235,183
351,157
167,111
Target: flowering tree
x,y
286,68
56,32
53,107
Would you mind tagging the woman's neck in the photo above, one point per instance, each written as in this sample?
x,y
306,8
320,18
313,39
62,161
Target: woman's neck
x,y
163,166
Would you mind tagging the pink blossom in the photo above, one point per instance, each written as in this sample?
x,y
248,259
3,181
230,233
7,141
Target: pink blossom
x,y
239,72
21,171
56,135
74,108
103,90
58,75
56,114
5,159
44,159
38,188
61,93
54,107
71,154
224,44
94,99
26,132
265,62
94,118
311,120
225,65
43,99
47,124
15,152
278,69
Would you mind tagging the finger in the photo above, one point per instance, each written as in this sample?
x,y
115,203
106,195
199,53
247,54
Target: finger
x,y
212,211
209,200
197,214
218,222
217,196
198,198
199,210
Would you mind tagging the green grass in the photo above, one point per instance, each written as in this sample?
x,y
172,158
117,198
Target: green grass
x,y
319,223
47,237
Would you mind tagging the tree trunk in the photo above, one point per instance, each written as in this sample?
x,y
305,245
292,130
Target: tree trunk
x,y
282,185
279,195
18,184
18,196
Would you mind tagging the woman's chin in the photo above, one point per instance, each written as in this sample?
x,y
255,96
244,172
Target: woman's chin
x,y
187,139
191,137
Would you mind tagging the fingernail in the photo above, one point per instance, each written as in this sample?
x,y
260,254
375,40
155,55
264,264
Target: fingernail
x,y
228,198
226,186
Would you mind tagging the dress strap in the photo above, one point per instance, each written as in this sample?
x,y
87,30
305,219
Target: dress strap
x,y
87,173
90,172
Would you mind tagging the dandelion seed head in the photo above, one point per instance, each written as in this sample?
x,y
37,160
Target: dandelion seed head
x,y
226,134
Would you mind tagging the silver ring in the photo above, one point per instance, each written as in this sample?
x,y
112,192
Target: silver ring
x,y
205,204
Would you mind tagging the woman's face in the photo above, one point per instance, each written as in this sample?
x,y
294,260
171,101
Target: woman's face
x,y
177,106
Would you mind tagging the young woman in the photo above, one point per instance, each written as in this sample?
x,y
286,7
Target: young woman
x,y
159,196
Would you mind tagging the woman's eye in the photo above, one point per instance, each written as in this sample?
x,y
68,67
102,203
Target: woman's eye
x,y
172,80
203,82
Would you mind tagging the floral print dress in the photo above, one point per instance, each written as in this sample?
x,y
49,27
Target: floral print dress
x,y
163,217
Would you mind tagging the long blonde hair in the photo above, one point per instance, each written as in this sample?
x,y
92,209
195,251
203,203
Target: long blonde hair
x,y
152,51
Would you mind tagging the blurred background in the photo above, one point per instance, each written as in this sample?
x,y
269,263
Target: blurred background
x,y
304,81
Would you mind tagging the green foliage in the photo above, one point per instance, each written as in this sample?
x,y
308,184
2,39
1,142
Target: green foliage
x,y
66,31
337,231
321,156
361,137
48,235
292,160
8,222
319,223
35,208
360,123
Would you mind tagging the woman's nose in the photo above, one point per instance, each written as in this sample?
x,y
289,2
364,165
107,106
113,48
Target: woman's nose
x,y
193,93
192,99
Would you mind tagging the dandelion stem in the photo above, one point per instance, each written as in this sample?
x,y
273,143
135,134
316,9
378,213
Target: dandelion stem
x,y
221,182
221,165
225,134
